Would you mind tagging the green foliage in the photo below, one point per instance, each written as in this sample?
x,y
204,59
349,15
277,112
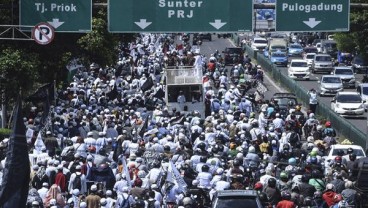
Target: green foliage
x,y
345,42
17,70
356,40
4,133
99,45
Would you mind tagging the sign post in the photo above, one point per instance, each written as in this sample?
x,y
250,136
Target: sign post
x,y
127,16
312,15
43,33
63,15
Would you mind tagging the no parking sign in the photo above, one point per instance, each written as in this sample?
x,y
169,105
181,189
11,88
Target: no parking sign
x,y
43,33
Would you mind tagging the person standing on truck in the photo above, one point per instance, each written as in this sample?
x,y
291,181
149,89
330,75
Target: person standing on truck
x,y
181,100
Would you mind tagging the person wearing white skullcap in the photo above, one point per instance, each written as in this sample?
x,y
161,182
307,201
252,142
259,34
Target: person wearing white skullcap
x,y
93,200
125,198
43,191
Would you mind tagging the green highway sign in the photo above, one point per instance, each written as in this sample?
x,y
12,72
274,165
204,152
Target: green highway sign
x,y
63,15
127,16
312,15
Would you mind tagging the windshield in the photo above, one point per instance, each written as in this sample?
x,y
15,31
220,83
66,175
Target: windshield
x,y
358,152
237,202
323,58
331,80
344,71
358,60
286,101
260,41
278,55
310,56
234,50
330,45
299,64
296,46
311,50
365,91
278,47
349,99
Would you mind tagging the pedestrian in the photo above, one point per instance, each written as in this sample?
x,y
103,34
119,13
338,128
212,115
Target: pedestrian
x,y
181,100
313,101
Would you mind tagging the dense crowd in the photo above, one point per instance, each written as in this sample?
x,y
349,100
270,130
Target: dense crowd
x,y
111,141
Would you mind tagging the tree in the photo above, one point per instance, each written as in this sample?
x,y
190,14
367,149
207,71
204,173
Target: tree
x,y
355,41
99,45
18,70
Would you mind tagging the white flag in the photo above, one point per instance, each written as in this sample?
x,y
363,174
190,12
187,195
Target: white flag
x,y
39,144
175,176
126,172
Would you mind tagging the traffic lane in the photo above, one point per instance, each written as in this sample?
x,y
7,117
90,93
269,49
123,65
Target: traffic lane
x,y
220,44
359,122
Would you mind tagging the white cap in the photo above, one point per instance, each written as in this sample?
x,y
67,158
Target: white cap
x,y
93,188
75,192
53,202
125,189
83,205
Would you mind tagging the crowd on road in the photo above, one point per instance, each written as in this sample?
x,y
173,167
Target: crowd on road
x,y
111,141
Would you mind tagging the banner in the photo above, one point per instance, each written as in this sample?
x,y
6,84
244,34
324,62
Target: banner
x,y
173,175
126,172
15,183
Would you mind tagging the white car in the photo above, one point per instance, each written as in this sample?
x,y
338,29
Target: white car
x,y
357,150
363,91
259,44
299,69
330,85
309,57
348,104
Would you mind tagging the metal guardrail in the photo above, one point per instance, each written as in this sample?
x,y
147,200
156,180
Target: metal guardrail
x,y
343,126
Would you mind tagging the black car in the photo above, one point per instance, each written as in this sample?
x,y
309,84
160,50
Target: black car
x,y
233,55
224,35
236,199
359,64
285,102
205,36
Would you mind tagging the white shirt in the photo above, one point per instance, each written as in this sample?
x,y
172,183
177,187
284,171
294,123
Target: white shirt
x,y
83,181
43,192
119,185
204,179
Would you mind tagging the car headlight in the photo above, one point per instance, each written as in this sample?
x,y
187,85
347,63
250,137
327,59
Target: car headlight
x,y
361,105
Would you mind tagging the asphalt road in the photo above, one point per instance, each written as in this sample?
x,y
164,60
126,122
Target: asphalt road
x,y
360,123
209,47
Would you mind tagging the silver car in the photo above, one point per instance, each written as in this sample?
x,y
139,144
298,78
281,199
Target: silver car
x,y
330,85
346,74
322,63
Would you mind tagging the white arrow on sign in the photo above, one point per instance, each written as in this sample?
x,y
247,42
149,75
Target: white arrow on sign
x,y
312,22
56,23
143,23
217,24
